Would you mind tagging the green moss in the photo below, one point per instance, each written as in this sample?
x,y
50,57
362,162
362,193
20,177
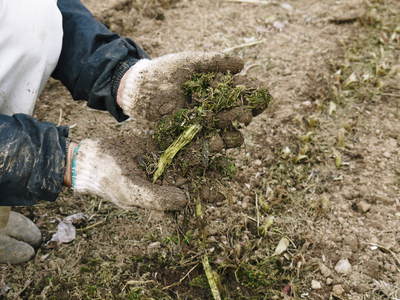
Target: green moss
x,y
264,278
224,165
199,281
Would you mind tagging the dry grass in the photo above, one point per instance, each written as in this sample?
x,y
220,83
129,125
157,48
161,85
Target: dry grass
x,y
142,255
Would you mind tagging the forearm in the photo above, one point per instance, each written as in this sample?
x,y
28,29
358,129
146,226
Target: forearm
x,y
32,160
89,57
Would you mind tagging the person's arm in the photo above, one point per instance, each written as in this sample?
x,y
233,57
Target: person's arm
x,y
36,161
32,160
93,59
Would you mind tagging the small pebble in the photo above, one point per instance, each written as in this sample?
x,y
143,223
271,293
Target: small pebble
x,y
337,290
258,162
329,281
154,245
363,206
325,270
278,25
316,285
287,6
343,266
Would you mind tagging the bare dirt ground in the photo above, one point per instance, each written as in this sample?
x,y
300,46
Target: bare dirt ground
x,y
322,162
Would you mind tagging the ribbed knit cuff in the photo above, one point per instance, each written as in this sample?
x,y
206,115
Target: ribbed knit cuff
x,y
119,72
84,169
129,95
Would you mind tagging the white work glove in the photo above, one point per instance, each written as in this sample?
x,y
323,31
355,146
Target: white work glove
x,y
151,89
98,168
148,91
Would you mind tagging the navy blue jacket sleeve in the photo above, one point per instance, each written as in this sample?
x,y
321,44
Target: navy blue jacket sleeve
x,y
92,61
32,160
91,55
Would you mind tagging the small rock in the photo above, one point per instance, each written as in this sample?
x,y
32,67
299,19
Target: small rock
x,y
287,6
343,266
362,288
258,162
154,245
278,25
316,285
337,290
180,181
216,144
363,206
325,270
329,281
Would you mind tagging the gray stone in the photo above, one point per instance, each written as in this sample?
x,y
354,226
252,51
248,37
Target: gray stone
x,y
23,229
13,251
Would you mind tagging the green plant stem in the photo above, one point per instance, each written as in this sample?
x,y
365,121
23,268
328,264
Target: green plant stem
x,y
210,277
168,155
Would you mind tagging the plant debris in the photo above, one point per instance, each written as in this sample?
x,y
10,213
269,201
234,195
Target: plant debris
x,y
218,105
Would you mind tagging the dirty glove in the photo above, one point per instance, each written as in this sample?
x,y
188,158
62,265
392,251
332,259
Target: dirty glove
x,y
103,168
18,236
151,89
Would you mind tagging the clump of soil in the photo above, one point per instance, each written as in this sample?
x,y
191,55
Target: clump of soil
x,y
218,105
216,101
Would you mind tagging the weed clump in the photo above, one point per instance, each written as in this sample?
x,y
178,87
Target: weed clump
x,y
209,94
217,106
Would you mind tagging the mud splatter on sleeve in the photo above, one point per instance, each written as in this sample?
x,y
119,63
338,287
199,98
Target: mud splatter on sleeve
x,y
32,160
90,55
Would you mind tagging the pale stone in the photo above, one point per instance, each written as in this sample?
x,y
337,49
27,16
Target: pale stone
x,y
363,206
316,285
325,270
343,266
337,290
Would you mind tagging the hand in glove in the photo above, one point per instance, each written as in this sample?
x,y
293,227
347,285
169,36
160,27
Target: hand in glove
x,y
151,89
103,168
148,91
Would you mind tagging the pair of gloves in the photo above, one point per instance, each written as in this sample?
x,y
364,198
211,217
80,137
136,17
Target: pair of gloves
x,y
148,91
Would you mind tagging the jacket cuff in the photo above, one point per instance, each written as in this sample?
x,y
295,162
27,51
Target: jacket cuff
x,y
119,72
32,160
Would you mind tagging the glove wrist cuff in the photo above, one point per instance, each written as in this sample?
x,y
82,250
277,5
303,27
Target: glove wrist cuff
x,y
86,168
127,94
119,73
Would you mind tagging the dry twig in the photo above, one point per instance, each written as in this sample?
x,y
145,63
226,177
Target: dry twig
x,y
182,279
243,46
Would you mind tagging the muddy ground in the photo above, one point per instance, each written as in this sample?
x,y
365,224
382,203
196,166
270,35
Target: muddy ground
x,y
323,160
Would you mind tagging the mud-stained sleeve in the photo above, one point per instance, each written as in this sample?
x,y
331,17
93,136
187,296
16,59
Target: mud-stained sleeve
x,y
32,160
90,56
